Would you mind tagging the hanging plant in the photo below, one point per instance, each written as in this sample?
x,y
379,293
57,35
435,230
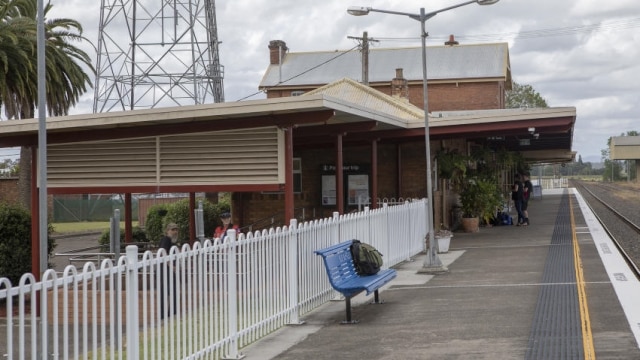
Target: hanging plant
x,y
452,166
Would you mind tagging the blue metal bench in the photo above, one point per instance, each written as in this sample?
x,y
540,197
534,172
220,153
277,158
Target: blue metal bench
x,y
344,278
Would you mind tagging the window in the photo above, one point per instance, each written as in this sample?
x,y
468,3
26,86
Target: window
x,y
297,92
297,178
297,175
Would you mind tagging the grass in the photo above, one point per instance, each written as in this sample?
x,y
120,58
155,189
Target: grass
x,y
72,227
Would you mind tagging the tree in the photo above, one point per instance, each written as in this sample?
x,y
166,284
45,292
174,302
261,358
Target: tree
x,y
16,63
524,96
64,75
9,167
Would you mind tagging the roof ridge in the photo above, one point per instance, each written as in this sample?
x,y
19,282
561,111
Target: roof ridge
x,y
397,103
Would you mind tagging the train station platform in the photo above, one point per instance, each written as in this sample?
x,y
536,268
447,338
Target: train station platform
x,y
557,289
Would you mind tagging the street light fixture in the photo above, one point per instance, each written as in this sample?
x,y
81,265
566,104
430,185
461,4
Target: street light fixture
x,y
432,261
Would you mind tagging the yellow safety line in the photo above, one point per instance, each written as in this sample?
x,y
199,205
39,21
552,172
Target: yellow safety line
x,y
587,337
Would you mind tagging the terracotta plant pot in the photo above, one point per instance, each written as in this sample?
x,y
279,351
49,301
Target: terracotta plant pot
x,y
471,224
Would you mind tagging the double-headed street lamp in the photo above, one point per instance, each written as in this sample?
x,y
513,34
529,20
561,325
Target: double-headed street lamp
x,y
432,261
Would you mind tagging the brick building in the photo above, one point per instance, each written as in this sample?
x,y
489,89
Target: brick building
x,y
464,80
460,77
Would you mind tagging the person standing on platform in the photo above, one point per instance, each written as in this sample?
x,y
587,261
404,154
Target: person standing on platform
x,y
526,195
221,231
170,237
168,291
517,192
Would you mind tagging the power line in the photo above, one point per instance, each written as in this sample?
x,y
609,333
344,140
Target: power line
x,y
562,31
302,73
534,34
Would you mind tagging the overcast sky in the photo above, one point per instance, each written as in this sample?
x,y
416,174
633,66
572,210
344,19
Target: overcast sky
x,y
581,53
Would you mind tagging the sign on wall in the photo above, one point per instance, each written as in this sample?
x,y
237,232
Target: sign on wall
x,y
356,184
328,189
358,189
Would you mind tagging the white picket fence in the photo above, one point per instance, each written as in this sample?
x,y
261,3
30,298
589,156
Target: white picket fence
x,y
220,297
555,183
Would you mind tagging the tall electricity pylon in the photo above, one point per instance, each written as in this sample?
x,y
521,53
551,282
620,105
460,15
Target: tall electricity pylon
x,y
157,53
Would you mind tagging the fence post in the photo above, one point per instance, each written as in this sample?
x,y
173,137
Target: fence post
x,y
132,303
336,237
115,234
369,235
232,295
293,273
199,216
387,228
114,242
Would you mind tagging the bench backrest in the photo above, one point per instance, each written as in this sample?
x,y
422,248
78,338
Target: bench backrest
x,y
338,263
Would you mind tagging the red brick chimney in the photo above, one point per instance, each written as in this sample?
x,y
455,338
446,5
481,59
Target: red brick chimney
x,y
400,86
277,51
452,41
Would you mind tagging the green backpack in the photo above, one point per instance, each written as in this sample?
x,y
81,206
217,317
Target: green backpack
x,y
366,258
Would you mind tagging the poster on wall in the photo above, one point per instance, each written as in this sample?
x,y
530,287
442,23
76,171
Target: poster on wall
x,y
328,189
358,189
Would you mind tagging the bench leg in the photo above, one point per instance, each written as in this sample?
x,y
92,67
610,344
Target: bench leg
x,y
376,298
348,321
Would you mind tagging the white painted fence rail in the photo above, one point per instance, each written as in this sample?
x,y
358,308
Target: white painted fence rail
x,y
201,302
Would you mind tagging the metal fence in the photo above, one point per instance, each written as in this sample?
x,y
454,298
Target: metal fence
x,y
201,302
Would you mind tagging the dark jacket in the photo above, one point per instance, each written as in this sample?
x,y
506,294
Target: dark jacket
x,y
166,243
517,191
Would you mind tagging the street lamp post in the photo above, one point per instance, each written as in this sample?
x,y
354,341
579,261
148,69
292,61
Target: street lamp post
x,y
42,141
432,262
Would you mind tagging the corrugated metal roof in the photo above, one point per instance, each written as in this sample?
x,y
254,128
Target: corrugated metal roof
x,y
480,61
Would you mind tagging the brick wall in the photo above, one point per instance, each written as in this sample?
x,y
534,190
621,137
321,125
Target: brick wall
x,y
9,190
442,97
413,170
456,96
9,193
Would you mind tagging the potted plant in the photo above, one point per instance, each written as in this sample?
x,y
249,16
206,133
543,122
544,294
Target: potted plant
x,y
479,199
452,168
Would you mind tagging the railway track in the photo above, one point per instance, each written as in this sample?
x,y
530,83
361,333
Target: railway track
x,y
616,206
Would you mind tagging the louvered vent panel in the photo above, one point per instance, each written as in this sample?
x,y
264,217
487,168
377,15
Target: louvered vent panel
x,y
250,156
104,163
223,157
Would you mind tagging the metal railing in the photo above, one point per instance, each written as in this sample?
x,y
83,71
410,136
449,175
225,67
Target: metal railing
x,y
206,301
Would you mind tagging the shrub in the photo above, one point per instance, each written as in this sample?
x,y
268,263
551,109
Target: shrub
x,y
138,235
154,222
162,214
15,242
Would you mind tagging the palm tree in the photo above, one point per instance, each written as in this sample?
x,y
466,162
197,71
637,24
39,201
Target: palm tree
x,y
15,55
64,75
